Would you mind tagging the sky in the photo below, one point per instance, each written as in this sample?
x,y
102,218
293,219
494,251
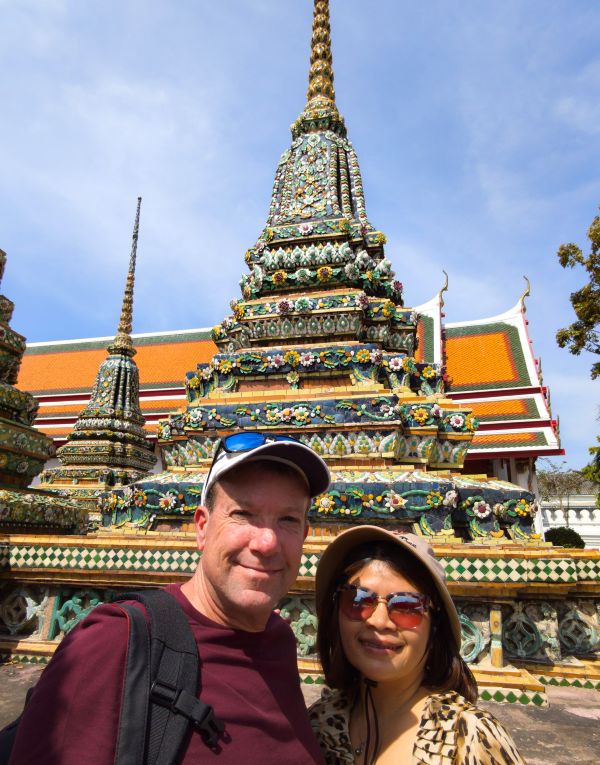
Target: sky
x,y
477,127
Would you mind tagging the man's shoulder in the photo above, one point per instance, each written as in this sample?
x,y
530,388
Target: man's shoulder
x,y
104,629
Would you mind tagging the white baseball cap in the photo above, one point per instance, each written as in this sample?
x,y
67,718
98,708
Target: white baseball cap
x,y
252,445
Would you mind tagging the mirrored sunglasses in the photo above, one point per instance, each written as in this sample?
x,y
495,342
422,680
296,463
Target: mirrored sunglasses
x,y
406,609
251,439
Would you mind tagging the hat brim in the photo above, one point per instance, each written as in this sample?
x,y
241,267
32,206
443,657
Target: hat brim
x,y
347,540
296,454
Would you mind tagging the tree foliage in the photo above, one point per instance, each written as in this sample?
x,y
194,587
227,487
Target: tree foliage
x,y
583,334
560,536
592,471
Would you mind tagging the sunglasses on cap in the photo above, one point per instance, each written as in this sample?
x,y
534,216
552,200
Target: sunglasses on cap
x,y
405,609
250,439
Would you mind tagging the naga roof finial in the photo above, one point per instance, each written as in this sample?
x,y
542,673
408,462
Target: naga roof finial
x,y
320,91
444,289
122,342
526,293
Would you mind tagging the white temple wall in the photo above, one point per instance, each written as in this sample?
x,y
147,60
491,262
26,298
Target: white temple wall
x,y
579,512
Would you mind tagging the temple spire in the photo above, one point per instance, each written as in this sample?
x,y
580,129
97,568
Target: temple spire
x,y
320,77
107,446
320,112
122,342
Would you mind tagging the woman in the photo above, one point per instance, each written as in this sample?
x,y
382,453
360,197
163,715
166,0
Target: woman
x,y
389,641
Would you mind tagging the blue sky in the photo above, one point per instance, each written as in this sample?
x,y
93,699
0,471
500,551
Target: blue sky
x,y
477,125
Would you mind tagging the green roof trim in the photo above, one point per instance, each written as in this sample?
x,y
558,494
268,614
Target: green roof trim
x,y
428,349
100,344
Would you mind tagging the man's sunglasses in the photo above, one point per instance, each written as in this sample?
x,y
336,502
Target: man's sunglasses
x,y
406,609
250,439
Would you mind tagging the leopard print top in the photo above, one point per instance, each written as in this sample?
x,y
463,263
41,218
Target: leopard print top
x,y
452,732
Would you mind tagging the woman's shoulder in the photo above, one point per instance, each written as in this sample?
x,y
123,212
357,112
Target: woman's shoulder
x,y
329,720
332,702
477,736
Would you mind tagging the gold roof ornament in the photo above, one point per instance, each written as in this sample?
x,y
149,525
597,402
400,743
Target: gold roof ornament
x,y
320,111
320,77
444,289
525,294
122,342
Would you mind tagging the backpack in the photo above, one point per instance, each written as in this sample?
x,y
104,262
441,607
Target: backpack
x,y
159,706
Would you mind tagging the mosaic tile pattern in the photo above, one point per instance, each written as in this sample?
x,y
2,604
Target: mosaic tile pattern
x,y
502,695
573,682
97,559
463,569
588,570
485,569
553,570
23,658
512,696
308,565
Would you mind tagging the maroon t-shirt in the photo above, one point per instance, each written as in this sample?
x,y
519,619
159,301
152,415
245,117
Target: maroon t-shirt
x,y
249,678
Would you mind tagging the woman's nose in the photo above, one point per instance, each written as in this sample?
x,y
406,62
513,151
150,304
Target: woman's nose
x,y
380,616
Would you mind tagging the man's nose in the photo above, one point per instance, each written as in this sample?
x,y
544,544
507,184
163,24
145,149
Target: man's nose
x,y
265,541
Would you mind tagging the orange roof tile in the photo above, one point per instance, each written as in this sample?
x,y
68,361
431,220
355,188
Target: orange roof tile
x,y
491,409
504,438
63,370
477,360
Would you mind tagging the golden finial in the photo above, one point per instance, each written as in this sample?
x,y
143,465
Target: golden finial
x,y
320,77
122,342
444,289
525,294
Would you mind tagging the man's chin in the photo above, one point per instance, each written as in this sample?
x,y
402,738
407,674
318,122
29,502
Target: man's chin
x,y
261,598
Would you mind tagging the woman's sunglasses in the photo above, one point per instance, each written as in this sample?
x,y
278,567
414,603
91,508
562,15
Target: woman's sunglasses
x,y
406,609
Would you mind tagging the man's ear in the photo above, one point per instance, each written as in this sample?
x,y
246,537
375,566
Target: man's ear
x,y
201,517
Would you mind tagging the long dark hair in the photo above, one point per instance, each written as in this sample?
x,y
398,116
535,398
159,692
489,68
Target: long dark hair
x,y
445,669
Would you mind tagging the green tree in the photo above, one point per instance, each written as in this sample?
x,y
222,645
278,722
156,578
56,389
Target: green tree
x,y
592,471
583,334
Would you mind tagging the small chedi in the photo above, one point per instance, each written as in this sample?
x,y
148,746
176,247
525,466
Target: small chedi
x,y
107,446
23,449
320,345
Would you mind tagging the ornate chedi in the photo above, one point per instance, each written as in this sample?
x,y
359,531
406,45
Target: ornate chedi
x,y
322,346
23,449
108,445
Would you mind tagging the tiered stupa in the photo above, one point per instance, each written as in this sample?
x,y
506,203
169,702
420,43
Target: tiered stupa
x,y
107,446
23,449
321,346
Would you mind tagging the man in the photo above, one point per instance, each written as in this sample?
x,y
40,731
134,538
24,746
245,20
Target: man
x,y
250,528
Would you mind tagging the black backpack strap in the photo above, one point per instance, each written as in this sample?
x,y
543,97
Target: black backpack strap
x,y
131,737
174,663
